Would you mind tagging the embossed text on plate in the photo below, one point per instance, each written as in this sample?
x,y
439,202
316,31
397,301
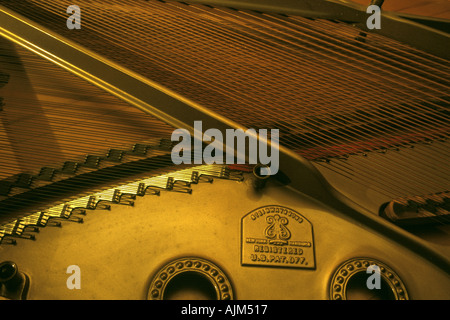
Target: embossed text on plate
x,y
276,236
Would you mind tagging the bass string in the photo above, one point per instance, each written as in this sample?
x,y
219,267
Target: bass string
x,y
102,28
396,53
369,58
390,177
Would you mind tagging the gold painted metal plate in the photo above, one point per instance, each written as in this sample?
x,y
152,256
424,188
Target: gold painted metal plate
x,y
276,236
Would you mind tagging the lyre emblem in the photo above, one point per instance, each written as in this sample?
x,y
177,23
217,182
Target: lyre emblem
x,y
277,231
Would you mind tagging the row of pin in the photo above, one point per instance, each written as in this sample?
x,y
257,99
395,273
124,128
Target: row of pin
x,y
179,181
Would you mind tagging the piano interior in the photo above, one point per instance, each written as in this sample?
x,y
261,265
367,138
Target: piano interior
x,y
88,186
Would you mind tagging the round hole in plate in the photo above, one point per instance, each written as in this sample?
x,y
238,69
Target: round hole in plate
x,y
349,282
357,289
190,278
190,285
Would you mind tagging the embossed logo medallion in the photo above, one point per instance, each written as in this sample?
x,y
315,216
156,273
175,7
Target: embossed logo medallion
x,y
276,236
